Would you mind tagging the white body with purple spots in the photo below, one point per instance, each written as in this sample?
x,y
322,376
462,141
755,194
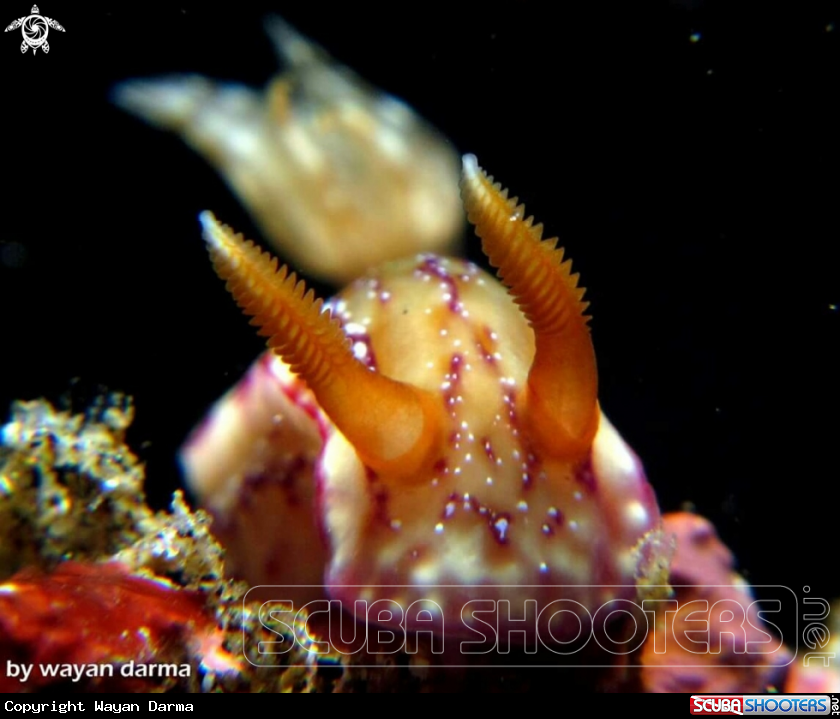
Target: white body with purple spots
x,y
492,510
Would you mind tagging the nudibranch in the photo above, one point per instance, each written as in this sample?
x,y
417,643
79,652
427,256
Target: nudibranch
x,y
429,433
323,161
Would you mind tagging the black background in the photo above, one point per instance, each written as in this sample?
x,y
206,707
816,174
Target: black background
x,y
693,182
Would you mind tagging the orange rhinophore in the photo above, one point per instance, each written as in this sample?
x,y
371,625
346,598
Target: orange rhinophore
x,y
400,429
562,389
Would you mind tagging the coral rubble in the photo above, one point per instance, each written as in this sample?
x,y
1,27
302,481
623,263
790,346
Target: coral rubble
x,y
79,544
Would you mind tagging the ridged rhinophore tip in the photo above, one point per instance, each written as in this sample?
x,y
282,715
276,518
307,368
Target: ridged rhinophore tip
x,y
215,234
209,225
470,166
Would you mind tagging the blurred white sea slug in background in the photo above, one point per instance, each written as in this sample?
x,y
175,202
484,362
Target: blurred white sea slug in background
x,y
339,175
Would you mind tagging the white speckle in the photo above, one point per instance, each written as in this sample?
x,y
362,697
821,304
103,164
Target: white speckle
x,y
578,496
543,568
439,528
552,512
636,513
457,470
464,425
573,525
522,506
447,296
468,457
435,482
501,526
360,350
430,365
456,343
7,588
396,524
443,333
489,481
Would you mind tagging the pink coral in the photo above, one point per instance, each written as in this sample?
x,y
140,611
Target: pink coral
x,y
715,641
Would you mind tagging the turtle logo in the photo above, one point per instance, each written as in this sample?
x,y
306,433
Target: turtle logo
x,y
35,28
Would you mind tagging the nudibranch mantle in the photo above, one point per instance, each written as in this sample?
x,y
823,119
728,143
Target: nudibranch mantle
x,y
486,500
492,509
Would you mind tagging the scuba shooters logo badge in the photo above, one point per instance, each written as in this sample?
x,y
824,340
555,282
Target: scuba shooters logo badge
x,y
35,28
